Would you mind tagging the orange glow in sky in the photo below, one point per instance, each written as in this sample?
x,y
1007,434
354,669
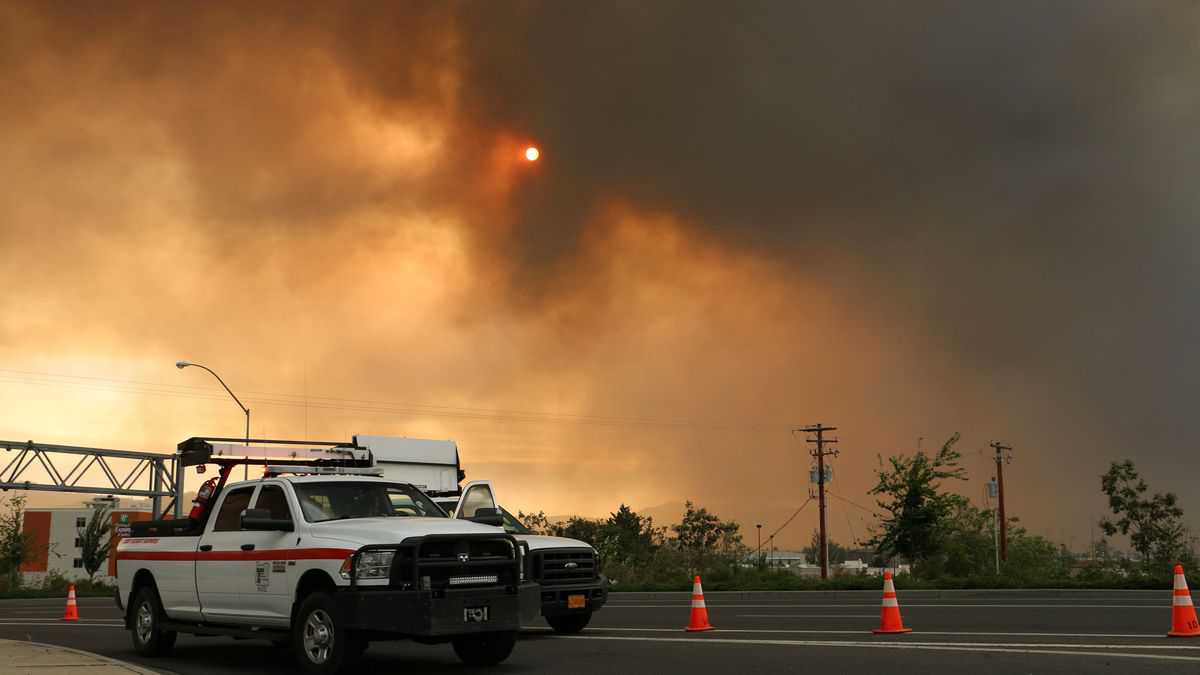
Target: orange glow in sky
x,y
532,154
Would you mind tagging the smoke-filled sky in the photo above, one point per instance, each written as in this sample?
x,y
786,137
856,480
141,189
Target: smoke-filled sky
x,y
904,219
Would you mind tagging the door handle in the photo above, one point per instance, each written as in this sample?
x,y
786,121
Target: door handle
x,y
247,547
206,547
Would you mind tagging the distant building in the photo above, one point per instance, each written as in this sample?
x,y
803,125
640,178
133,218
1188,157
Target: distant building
x,y
56,532
786,559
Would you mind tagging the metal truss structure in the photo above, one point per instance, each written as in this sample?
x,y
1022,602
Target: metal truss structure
x,y
121,472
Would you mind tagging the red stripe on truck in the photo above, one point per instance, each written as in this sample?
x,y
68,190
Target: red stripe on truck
x,y
265,554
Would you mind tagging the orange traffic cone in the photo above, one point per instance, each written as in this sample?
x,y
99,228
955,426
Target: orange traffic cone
x,y
699,620
72,613
1183,613
889,614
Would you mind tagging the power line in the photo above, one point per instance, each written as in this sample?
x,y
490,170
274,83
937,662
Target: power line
x,y
137,387
790,518
853,503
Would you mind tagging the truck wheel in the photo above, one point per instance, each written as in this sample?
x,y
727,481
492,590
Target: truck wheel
x,y
484,649
149,638
318,639
569,624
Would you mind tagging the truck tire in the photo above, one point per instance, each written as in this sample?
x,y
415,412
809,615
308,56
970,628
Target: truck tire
x,y
146,627
484,649
319,641
569,624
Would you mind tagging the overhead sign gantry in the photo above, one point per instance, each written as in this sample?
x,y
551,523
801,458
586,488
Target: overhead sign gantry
x,y
69,468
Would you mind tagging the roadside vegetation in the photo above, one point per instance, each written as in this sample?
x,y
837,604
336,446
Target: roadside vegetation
x,y
944,540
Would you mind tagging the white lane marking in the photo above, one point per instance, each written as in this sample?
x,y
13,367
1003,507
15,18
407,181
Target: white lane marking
x,y
946,647
863,632
809,616
902,606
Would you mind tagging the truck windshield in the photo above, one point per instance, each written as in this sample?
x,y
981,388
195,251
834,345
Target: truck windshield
x,y
324,501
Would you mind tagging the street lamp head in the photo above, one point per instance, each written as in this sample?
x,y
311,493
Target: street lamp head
x,y
182,364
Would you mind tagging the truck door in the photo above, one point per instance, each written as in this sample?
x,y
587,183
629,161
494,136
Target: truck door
x,y
476,495
274,573
225,576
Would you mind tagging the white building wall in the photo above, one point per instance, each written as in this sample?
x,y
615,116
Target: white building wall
x,y
63,553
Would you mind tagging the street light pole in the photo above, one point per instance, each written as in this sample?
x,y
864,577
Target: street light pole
x,y
758,550
184,364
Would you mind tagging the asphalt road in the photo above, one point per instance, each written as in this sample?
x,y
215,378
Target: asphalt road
x,y
954,632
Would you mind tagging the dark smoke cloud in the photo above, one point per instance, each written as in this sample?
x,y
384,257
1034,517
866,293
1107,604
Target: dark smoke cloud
x,y
904,218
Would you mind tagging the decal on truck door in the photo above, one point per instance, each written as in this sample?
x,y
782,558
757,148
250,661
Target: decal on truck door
x,y
262,576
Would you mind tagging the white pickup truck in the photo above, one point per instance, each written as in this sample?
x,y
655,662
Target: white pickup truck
x,y
572,587
323,563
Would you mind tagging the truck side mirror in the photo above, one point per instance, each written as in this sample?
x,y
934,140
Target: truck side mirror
x,y
260,519
487,516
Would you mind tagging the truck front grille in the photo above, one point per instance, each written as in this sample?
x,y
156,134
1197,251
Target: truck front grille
x,y
560,567
437,562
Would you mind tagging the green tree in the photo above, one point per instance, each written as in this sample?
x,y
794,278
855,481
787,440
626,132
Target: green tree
x,y
16,545
583,529
967,541
916,508
704,538
537,522
1032,557
95,540
631,538
1154,523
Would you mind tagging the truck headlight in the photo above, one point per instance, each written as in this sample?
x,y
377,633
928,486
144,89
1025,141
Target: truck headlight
x,y
371,565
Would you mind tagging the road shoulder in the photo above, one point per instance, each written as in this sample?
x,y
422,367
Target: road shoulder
x,y
35,658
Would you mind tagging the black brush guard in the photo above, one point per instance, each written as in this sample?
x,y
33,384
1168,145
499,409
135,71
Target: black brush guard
x,y
419,600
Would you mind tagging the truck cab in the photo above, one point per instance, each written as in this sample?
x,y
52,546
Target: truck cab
x,y
572,587
323,556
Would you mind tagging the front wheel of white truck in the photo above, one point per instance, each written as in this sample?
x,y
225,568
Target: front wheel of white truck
x,y
147,616
318,638
484,649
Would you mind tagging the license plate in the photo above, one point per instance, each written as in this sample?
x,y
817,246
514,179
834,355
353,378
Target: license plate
x,y
576,601
475,614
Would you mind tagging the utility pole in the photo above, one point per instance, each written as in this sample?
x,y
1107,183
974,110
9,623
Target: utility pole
x,y
820,453
1001,460
992,492
758,562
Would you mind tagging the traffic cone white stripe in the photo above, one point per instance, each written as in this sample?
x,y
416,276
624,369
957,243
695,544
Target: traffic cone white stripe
x,y
1182,601
698,603
1180,582
891,602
